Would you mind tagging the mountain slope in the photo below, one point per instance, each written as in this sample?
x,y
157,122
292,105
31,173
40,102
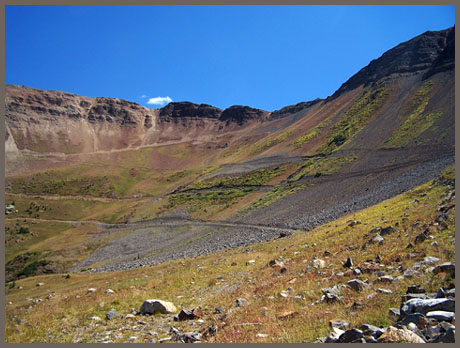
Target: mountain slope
x,y
101,160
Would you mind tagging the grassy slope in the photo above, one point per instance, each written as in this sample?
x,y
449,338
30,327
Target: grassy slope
x,y
211,281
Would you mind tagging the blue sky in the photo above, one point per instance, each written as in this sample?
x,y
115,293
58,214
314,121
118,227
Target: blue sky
x,y
263,56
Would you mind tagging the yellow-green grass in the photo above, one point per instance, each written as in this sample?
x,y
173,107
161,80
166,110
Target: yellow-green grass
x,y
354,120
417,122
198,281
246,150
30,207
312,133
277,193
253,178
321,165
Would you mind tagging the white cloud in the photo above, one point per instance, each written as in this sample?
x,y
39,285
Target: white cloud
x,y
159,101
143,96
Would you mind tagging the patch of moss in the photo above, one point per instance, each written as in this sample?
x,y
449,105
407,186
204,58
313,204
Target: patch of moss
x,y
354,120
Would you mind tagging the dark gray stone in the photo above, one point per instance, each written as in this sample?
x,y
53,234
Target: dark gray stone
x,y
428,305
350,335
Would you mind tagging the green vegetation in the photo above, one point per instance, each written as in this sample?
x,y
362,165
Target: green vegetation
x,y
222,277
56,182
321,166
216,199
268,142
271,197
312,133
259,146
253,178
354,120
417,122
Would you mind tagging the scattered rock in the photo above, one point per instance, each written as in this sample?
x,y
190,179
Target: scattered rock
x,y
330,298
339,324
326,253
385,279
95,318
155,306
112,314
378,239
250,263
91,290
384,291
109,291
354,222
276,263
387,230
357,285
348,263
261,335
184,314
40,284
241,302
430,260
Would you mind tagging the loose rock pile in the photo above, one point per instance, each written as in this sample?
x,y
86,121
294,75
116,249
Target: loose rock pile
x,y
422,318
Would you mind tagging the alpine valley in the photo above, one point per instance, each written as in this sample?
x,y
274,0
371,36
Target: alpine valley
x,y
332,220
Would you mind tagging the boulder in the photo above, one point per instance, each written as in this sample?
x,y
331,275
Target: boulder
x,y
184,314
372,330
441,315
358,285
394,335
334,335
447,337
418,319
350,336
348,263
428,305
157,306
447,267
387,230
415,289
